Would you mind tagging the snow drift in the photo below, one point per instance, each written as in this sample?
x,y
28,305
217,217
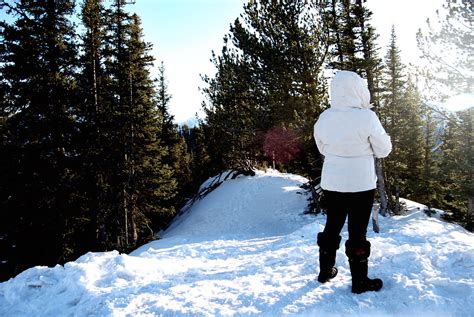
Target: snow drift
x,y
247,249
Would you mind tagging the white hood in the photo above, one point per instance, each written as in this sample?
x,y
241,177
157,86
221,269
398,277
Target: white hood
x,y
349,90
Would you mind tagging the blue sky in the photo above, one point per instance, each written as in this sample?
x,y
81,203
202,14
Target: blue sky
x,y
183,34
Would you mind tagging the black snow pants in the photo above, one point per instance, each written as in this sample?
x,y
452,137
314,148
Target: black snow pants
x,y
357,207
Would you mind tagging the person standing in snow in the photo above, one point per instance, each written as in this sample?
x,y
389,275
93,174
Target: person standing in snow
x,y
349,135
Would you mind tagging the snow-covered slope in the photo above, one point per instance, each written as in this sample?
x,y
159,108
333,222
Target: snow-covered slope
x,y
247,249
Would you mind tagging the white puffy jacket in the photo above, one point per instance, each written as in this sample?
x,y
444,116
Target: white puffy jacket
x,y
349,135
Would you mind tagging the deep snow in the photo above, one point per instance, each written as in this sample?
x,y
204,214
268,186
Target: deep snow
x,y
248,249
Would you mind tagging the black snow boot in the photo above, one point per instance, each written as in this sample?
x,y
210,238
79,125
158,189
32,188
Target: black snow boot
x,y
358,254
327,257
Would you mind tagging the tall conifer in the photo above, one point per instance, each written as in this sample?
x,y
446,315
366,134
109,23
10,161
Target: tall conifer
x,y
400,111
178,158
447,44
94,109
38,62
142,182
269,74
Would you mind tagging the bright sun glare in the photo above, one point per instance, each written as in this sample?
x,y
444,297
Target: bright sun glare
x,y
460,102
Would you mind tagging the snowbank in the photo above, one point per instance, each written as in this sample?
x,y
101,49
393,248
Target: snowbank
x,y
247,249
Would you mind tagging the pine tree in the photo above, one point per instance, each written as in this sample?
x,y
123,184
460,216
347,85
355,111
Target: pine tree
x,y
401,114
196,143
144,182
352,41
343,38
466,164
457,160
268,76
412,138
391,112
431,191
232,112
447,46
38,62
182,170
92,141
178,157
163,100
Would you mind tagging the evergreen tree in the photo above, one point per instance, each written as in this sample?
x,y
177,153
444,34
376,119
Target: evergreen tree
x,y
196,143
371,63
178,157
168,131
268,75
466,156
232,112
447,46
431,191
38,62
401,114
343,39
182,170
92,142
391,112
352,41
128,182
84,163
142,182
456,167
412,138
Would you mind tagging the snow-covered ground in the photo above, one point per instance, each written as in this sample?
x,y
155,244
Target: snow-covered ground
x,y
247,249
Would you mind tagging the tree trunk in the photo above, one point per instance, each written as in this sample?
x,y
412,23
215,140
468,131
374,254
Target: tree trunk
x,y
470,206
470,199
375,220
397,200
381,188
336,31
125,213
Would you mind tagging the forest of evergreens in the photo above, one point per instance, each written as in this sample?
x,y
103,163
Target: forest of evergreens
x,y
92,160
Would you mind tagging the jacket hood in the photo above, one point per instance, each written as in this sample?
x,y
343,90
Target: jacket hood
x,y
349,90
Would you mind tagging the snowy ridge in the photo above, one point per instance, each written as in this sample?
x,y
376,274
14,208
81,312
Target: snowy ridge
x,y
247,249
